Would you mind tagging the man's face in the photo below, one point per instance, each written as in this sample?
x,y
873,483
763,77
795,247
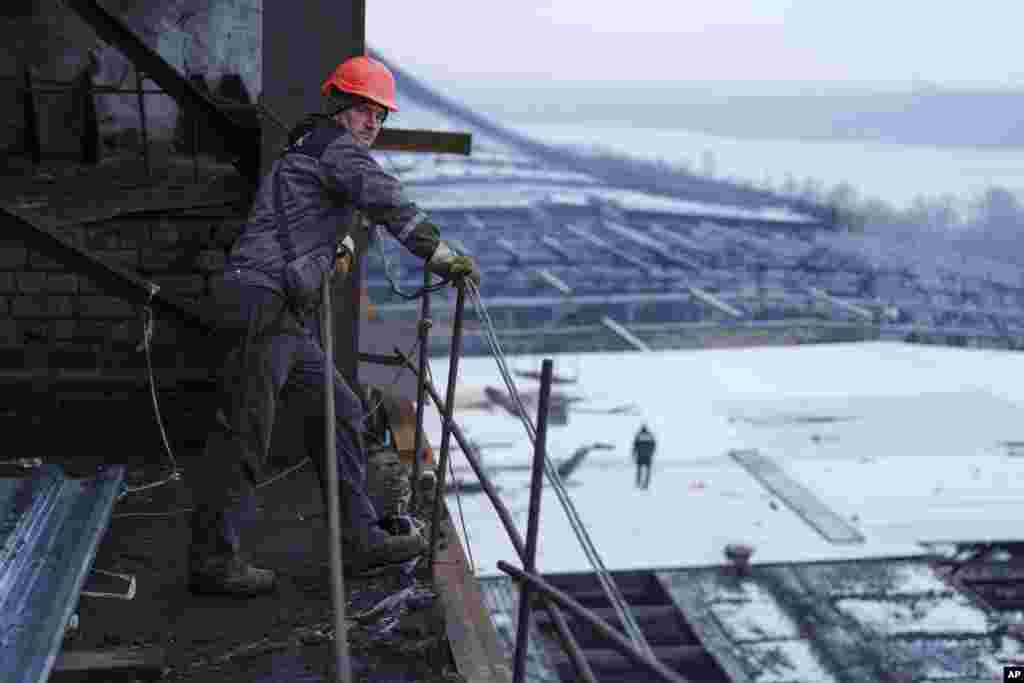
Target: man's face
x,y
363,121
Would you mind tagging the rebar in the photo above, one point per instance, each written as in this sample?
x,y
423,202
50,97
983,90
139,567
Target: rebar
x,y
617,640
568,642
533,520
342,672
447,419
421,394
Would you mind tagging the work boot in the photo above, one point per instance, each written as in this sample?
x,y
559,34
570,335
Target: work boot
x,y
235,577
383,550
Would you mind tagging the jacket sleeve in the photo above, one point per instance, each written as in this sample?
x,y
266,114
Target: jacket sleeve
x,y
348,169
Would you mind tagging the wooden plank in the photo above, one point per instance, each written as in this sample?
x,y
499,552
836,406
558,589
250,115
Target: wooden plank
x,y
423,141
124,664
797,498
474,642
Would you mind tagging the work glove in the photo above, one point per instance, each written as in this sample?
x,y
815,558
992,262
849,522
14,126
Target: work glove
x,y
343,256
447,263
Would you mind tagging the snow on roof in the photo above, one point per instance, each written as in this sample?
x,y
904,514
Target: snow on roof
x,y
468,188
633,200
907,443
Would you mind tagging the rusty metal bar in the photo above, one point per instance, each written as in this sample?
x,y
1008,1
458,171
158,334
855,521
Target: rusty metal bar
x,y
533,519
448,417
618,641
143,123
342,671
467,450
430,141
421,392
240,139
569,644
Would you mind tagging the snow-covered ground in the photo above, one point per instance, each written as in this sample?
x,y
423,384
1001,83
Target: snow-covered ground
x,y
906,443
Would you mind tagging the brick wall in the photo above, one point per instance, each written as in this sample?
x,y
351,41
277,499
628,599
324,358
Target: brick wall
x,y
41,303
57,328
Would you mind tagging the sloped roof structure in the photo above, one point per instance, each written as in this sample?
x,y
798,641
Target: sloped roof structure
x,y
564,241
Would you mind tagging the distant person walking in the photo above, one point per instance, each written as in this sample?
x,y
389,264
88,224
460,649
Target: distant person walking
x,y
643,453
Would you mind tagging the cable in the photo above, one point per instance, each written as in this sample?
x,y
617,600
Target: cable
x,y
392,282
147,339
462,519
615,596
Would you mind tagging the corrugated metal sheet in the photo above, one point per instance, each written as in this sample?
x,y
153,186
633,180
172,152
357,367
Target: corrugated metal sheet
x,y
50,528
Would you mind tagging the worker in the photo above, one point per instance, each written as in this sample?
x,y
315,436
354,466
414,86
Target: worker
x,y
323,186
643,454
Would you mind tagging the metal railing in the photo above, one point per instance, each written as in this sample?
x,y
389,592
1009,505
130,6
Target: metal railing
x,y
551,599
30,87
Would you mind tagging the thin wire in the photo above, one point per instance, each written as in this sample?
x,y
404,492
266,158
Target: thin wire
x,y
180,511
147,338
392,281
615,596
462,519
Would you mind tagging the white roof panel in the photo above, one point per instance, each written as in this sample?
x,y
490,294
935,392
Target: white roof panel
x,y
907,443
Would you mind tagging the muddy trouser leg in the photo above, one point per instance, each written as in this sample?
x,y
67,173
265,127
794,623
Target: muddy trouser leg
x,y
359,516
252,373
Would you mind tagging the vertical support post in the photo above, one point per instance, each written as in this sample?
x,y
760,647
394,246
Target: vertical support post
x,y
533,520
446,424
195,149
32,144
421,392
342,672
143,125
359,26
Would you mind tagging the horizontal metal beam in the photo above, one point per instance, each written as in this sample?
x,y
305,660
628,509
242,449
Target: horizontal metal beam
x,y
241,140
625,334
713,301
845,305
423,141
551,279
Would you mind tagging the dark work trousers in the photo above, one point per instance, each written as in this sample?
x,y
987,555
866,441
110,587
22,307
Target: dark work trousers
x,y
263,352
643,471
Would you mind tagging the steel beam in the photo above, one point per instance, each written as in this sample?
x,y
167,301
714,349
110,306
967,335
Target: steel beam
x,y
625,334
426,141
715,302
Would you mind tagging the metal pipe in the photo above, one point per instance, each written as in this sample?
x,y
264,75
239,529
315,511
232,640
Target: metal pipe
x,y
618,641
568,642
467,450
533,520
448,418
342,671
421,393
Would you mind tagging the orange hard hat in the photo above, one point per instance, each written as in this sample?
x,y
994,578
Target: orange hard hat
x,y
364,77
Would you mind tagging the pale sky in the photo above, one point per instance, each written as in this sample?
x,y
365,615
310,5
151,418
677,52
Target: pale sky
x,y
841,41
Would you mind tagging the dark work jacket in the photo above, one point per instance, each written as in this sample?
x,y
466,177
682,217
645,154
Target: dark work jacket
x,y
643,446
306,205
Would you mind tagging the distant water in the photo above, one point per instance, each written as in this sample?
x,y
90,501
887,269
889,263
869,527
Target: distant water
x,y
893,173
